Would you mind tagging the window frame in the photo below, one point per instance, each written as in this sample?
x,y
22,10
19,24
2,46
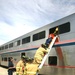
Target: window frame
x,y
26,40
65,27
40,35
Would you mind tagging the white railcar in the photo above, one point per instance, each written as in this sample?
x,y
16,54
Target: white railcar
x,y
61,60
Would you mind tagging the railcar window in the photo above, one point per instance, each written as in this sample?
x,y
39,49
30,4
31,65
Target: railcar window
x,y
6,46
39,35
2,48
26,40
52,30
23,54
10,45
63,28
5,59
2,59
52,60
18,42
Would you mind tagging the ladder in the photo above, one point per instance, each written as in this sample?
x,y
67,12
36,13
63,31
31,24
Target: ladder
x,y
49,49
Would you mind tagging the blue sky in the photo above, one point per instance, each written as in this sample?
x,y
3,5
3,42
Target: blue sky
x,y
18,17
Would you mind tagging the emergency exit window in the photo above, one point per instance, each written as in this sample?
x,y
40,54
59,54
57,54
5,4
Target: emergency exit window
x,y
51,30
63,28
52,60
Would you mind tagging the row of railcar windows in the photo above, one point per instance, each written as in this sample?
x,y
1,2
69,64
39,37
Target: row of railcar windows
x,y
63,28
7,58
25,40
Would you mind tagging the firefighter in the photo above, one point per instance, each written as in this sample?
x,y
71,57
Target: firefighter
x,y
31,67
21,65
41,51
28,61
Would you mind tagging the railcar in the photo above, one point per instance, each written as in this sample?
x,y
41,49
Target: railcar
x,y
61,60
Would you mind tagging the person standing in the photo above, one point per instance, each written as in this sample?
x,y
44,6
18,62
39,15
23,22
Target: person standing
x,y
10,66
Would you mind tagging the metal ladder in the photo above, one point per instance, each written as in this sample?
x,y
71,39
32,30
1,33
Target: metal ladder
x,y
49,49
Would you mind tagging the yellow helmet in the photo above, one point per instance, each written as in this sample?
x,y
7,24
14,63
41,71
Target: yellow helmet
x,y
56,29
24,57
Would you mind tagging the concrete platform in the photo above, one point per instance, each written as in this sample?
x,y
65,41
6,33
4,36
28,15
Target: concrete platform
x,y
4,71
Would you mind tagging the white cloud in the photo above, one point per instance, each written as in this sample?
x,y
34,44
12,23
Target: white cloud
x,y
18,17
9,32
2,41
